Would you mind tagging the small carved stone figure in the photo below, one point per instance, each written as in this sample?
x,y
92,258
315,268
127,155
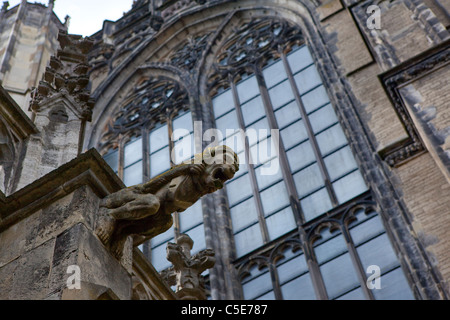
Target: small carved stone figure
x,y
145,210
186,271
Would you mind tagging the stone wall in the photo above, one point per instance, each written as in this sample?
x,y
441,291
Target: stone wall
x,y
50,249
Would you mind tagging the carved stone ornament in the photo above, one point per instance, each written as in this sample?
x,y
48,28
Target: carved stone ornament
x,y
145,210
186,271
67,75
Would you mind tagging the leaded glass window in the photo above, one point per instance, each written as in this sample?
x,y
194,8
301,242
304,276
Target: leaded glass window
x,y
300,186
303,222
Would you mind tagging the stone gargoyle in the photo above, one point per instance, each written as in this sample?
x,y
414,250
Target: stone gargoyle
x,y
145,210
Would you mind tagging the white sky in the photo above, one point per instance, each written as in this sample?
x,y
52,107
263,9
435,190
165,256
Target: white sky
x,y
87,16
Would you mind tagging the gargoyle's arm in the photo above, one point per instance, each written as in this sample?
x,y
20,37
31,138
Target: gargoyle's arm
x,y
155,184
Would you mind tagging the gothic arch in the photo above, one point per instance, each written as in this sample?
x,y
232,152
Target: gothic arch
x,y
154,50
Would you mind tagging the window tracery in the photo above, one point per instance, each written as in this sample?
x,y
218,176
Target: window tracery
x,y
188,53
153,101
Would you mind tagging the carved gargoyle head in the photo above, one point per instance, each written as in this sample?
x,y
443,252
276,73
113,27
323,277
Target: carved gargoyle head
x,y
220,163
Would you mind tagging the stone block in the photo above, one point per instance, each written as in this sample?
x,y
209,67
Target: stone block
x,y
79,247
348,42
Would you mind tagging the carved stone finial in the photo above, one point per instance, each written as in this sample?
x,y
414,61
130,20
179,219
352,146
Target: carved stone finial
x,y
186,271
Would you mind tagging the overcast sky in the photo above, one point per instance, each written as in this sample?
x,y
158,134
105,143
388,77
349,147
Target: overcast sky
x,y
87,16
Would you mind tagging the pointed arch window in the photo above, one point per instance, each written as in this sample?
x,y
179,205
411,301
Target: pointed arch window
x,y
298,176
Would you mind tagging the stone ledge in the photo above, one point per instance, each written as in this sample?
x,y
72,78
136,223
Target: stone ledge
x,y
150,278
87,169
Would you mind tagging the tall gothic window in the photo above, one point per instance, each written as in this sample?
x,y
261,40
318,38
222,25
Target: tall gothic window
x,y
303,223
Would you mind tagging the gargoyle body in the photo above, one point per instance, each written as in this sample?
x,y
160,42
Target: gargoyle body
x,y
145,210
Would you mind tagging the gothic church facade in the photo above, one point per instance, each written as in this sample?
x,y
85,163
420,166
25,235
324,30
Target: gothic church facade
x,y
337,109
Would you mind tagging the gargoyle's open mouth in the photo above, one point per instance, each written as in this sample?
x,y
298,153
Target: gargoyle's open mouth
x,y
222,174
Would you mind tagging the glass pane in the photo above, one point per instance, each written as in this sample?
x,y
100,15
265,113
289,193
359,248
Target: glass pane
x,y
183,122
294,134
340,163
315,99
339,276
133,174
243,167
292,268
264,151
163,237
308,180
331,139
299,59
356,294
198,236
247,89
281,94
301,156
287,114
239,189
307,79
315,204
183,149
228,121
133,152
300,288
268,173
159,138
274,198
323,118
274,73
236,142
394,286
268,296
378,252
349,186
248,240
262,130
331,248
257,286
280,223
112,159
367,230
191,217
244,215
253,110
159,260
223,103
160,161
